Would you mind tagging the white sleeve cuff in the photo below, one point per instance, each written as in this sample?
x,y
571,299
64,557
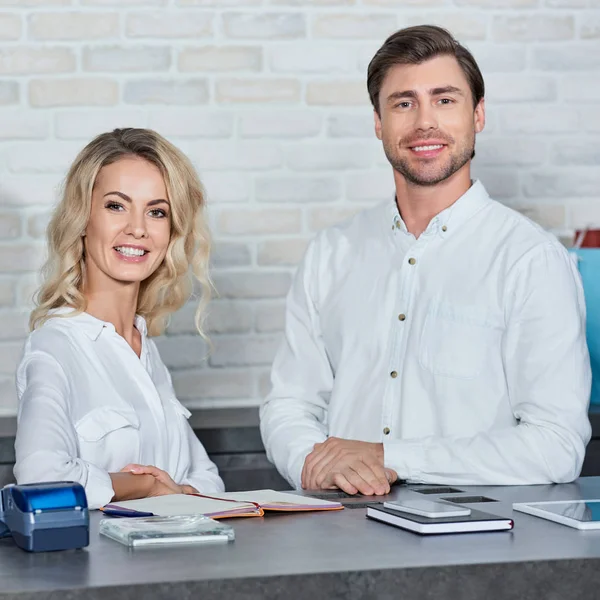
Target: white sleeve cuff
x,y
405,457
98,487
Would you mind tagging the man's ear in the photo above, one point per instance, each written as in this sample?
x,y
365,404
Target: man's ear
x,y
479,116
377,120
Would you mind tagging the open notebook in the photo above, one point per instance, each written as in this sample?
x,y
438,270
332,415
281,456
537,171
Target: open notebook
x,y
226,504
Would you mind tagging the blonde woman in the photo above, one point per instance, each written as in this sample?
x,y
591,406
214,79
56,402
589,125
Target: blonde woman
x,y
96,403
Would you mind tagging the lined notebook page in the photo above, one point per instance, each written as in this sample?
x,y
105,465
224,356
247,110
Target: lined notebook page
x,y
271,497
182,504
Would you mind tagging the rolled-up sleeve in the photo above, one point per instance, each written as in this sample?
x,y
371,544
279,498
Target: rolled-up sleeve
x,y
46,446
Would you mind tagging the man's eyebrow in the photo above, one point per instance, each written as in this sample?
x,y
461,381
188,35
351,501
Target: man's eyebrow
x,y
397,95
447,89
128,199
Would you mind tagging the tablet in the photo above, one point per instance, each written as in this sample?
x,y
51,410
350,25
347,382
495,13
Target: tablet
x,y
580,514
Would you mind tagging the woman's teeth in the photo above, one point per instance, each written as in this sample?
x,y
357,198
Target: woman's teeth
x,y
125,251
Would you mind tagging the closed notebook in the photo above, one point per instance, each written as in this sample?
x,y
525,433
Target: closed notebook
x,y
226,504
476,521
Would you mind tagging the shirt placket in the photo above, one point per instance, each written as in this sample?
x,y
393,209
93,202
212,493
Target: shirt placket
x,y
400,322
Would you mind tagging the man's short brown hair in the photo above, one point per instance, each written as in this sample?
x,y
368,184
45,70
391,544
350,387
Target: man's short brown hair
x,y
415,45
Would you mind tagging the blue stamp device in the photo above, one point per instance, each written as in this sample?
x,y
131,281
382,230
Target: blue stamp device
x,y
45,516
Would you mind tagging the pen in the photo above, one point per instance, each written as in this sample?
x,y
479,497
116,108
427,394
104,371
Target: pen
x,y
124,512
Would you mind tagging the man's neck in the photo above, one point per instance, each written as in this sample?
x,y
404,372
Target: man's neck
x,y
418,205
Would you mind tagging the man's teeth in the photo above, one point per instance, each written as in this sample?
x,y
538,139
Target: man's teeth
x,y
130,251
426,148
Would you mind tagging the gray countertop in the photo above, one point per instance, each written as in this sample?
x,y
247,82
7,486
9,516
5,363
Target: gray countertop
x,y
332,555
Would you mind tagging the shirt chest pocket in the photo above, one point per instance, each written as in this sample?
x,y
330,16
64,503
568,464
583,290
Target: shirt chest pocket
x,y
109,437
457,341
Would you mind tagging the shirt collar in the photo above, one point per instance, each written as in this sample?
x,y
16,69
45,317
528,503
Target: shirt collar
x,y
92,326
451,218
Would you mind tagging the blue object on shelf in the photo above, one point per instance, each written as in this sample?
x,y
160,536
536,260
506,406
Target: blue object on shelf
x,y
588,260
43,517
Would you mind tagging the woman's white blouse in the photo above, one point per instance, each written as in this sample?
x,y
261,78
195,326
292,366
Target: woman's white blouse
x,y
88,406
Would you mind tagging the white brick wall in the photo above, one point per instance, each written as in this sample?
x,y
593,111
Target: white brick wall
x,y
268,98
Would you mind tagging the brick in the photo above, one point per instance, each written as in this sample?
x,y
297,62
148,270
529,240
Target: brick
x,y
10,226
162,24
9,93
500,183
170,92
15,258
10,356
36,3
230,254
119,3
297,189
84,125
222,316
264,25
35,157
538,119
29,191
196,123
403,3
73,92
580,88
7,292
230,91
574,182
510,151
354,26
73,26
585,57
582,214
520,88
287,252
498,3
548,216
465,25
252,285
264,221
219,155
372,186
124,59
534,28
581,151
589,118
34,61
241,351
321,218
182,351
280,124
264,384
311,2
311,57
493,58
218,3
327,156
590,26
270,316
200,384
220,58
222,187
14,325
349,125
337,93
567,3
37,224
27,285
10,27
23,125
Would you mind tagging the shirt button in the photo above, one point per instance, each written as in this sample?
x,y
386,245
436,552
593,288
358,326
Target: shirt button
x,y
394,374
401,317
412,261
444,228
386,431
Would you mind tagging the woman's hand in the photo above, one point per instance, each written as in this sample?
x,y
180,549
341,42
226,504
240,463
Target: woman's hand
x,y
163,483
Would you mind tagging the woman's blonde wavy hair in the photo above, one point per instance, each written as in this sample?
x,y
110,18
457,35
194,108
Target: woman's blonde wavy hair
x,y
187,257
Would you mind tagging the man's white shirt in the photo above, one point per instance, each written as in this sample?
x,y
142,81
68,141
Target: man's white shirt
x,y
463,351
88,406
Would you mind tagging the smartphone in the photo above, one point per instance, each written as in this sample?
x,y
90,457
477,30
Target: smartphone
x,y
428,508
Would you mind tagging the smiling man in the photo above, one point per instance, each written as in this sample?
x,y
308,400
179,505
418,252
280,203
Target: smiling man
x,y
440,336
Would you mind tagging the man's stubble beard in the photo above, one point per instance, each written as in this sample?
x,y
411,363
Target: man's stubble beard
x,y
457,161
